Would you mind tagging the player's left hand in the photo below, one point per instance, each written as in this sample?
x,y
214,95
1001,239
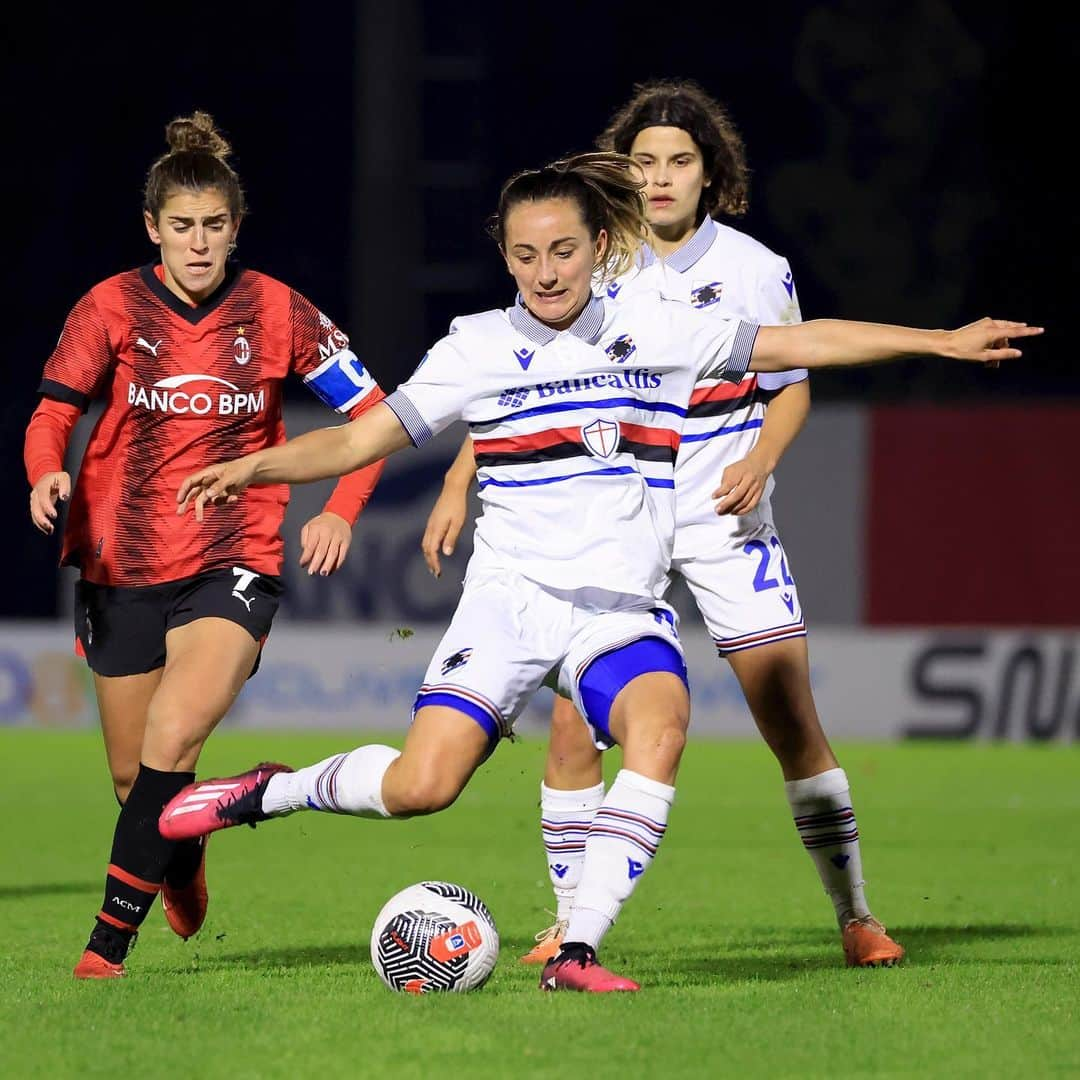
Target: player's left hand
x,y
741,486
324,543
987,341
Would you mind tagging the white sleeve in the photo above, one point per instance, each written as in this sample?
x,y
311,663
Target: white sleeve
x,y
719,348
435,394
776,303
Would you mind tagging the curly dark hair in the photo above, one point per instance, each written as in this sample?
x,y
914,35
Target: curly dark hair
x,y
682,103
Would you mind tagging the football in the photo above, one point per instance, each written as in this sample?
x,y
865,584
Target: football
x,y
434,936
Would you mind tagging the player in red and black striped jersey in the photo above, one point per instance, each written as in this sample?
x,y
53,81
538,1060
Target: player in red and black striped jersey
x,y
188,356
183,385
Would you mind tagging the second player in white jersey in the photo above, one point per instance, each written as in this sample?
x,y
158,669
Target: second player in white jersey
x,y
724,274
730,561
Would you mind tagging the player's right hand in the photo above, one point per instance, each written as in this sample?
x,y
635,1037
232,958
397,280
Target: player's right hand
x,y
444,525
215,484
43,496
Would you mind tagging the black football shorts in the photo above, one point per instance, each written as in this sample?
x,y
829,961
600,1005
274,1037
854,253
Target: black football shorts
x,y
121,631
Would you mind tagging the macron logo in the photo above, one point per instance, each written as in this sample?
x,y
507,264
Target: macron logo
x,y
152,349
635,869
559,869
524,357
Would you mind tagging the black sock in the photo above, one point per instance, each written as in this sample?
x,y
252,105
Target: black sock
x,y
186,857
139,856
576,950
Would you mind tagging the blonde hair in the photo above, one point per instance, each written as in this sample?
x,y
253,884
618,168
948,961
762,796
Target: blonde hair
x,y
607,190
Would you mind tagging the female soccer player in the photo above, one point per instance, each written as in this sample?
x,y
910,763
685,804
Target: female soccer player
x,y
189,355
567,398
731,557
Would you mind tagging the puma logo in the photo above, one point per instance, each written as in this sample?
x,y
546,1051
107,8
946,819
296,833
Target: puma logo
x,y
152,349
246,600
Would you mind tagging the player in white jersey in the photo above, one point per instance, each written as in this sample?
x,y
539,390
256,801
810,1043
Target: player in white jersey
x,y
734,562
563,394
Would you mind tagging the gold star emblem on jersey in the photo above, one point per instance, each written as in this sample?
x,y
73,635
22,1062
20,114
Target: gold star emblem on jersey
x,y
241,347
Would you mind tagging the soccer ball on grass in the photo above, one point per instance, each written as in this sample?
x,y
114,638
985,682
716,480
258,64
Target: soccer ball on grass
x,y
434,936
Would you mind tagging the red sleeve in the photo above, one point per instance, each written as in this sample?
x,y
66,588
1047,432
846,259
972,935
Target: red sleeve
x,y
82,358
352,492
47,437
323,358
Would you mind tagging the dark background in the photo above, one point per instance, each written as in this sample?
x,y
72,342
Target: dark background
x,y
908,159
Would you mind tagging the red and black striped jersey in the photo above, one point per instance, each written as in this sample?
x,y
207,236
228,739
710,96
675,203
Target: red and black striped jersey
x,y
185,387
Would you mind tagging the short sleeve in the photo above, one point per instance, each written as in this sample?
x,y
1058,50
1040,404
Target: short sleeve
x,y
82,359
776,303
720,348
436,393
323,358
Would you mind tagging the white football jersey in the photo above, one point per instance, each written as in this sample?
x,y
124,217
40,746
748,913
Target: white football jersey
x,y
724,274
575,432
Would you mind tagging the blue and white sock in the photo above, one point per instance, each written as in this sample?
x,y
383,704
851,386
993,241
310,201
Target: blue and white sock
x,y
826,823
343,784
565,817
621,844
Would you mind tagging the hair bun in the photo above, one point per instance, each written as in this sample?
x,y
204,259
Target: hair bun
x,y
196,132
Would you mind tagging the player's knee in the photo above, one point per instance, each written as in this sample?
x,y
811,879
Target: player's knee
x,y
789,738
174,736
571,741
662,741
671,741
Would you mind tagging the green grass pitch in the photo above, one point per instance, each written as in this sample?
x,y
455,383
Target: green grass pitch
x,y
972,855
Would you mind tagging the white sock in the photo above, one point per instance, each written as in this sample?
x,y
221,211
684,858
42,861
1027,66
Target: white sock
x,y
621,843
343,784
565,817
826,823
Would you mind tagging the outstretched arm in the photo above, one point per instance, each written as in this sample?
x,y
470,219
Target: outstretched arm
x,y
839,343
314,456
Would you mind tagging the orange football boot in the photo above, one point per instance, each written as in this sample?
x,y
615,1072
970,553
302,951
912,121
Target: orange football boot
x,y
866,944
548,944
93,966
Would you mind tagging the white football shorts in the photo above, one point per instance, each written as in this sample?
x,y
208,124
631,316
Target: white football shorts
x,y
744,589
509,636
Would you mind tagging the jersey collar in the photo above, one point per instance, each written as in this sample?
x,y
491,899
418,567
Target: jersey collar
x,y
195,314
586,326
690,253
